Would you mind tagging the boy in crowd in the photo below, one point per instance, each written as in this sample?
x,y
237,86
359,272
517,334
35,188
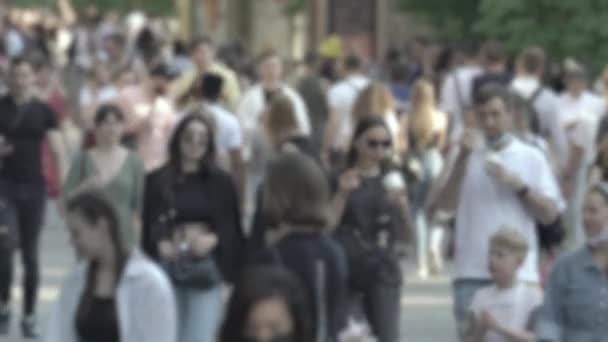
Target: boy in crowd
x,y
504,311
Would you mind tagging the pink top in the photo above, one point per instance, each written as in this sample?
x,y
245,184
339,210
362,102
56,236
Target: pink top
x,y
152,120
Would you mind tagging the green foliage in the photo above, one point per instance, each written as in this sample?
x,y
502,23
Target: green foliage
x,y
155,7
293,7
564,27
451,19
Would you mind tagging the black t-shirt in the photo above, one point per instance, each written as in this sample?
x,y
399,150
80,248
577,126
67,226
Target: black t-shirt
x,y
368,211
25,128
97,320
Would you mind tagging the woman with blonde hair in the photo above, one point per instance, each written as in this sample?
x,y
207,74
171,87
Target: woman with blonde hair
x,y
376,99
425,129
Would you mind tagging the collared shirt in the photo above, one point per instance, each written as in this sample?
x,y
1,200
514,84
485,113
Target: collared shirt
x,y
144,299
487,205
576,301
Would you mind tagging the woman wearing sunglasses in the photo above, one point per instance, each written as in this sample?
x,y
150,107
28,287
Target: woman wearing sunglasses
x,y
371,211
192,226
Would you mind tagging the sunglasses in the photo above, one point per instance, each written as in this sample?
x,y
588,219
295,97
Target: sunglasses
x,y
385,144
194,138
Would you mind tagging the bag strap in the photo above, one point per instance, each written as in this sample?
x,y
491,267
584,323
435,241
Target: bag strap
x,y
459,95
320,298
535,95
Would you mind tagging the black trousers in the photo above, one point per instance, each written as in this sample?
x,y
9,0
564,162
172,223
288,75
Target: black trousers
x,y
22,209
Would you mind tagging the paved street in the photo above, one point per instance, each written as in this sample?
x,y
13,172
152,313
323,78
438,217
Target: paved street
x,y
426,304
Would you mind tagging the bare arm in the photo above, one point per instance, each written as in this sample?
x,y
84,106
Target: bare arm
x,y
514,335
330,132
56,144
448,196
542,208
475,330
237,168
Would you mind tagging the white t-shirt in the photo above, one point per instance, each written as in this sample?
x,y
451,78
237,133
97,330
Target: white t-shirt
x,y
459,80
486,205
586,110
341,99
545,103
512,307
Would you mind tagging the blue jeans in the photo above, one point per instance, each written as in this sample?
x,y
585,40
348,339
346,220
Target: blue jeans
x,y
22,208
200,313
464,291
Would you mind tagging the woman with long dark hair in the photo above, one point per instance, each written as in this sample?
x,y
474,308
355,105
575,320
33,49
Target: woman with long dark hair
x,y
371,211
115,293
112,169
192,227
268,305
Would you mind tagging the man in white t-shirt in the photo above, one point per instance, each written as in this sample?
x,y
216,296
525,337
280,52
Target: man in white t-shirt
x,y
456,96
503,182
341,99
228,134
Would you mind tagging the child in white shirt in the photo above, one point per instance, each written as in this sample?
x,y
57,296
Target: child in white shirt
x,y
504,311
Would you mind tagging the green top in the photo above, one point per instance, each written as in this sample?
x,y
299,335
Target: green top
x,y
125,190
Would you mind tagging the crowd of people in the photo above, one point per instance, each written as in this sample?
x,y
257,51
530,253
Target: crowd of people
x,y
210,196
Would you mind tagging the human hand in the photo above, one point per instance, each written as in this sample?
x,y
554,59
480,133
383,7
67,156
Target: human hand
x,y
501,174
349,181
203,244
166,250
489,321
470,140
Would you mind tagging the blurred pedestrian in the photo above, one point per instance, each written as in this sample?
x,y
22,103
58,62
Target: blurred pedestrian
x,y
268,305
113,169
296,203
371,212
425,129
114,293
27,122
192,226
575,299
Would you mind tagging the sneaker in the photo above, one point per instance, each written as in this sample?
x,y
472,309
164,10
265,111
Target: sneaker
x,y
29,327
5,319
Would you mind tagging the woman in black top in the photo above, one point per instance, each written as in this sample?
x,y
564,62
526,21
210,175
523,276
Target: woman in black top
x,y
192,225
370,209
297,198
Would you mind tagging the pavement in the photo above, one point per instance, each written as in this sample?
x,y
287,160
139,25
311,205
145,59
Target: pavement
x,y
426,315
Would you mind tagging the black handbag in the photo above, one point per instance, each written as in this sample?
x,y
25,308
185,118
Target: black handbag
x,y
193,272
186,270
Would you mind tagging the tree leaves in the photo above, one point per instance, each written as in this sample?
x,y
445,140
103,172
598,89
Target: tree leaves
x,y
563,27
